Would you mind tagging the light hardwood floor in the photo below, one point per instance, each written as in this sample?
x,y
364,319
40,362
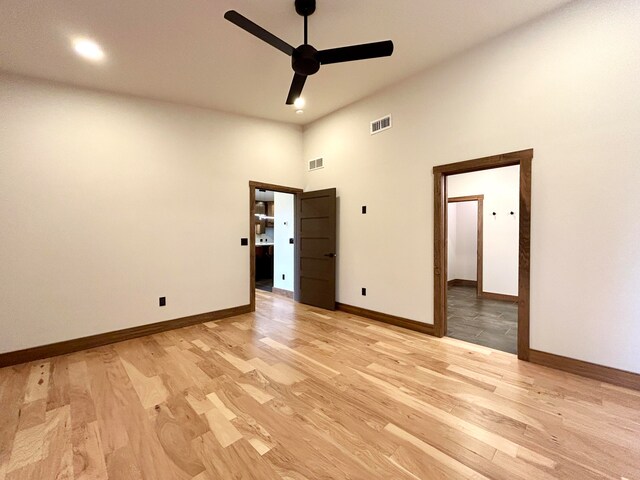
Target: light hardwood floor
x,y
293,392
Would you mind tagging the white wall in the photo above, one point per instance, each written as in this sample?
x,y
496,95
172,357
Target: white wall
x,y
452,240
501,190
465,248
283,251
567,86
109,202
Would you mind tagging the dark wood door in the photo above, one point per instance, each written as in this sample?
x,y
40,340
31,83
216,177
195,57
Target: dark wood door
x,y
317,248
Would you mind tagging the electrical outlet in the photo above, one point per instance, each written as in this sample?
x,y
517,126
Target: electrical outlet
x,y
364,209
163,301
244,242
291,241
364,292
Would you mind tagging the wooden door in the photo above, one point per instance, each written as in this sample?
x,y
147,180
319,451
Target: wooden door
x,y
316,220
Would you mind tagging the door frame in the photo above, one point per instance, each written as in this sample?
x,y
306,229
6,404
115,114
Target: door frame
x,y
440,174
252,233
479,235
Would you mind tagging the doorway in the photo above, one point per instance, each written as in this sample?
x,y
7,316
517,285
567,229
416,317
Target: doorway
x,y
312,239
272,240
274,231
465,234
522,218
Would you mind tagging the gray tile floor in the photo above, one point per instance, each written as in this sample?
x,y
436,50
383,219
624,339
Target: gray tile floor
x,y
265,284
491,323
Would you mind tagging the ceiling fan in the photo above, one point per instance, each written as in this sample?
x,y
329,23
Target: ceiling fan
x,y
306,60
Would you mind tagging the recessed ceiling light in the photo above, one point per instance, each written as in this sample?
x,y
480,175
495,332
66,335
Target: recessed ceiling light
x,y
88,49
299,112
299,103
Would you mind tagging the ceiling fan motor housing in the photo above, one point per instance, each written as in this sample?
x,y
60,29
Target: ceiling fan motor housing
x,y
305,60
305,7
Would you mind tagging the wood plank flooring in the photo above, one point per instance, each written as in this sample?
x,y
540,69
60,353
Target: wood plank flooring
x,y
293,392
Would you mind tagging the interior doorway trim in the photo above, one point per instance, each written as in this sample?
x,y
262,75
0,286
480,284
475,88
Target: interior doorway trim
x,y
480,235
252,232
440,174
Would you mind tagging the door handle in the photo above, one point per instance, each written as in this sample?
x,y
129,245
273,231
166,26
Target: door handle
x,y
330,255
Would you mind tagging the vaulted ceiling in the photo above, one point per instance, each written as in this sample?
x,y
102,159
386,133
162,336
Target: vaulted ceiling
x,y
184,51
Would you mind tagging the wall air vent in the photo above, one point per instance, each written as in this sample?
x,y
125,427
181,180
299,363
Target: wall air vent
x,y
316,164
381,124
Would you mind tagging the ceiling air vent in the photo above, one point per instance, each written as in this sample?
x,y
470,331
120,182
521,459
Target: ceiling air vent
x,y
316,164
381,124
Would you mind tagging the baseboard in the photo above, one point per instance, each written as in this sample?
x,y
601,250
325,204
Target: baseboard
x,y
458,282
499,296
77,344
386,318
601,373
282,292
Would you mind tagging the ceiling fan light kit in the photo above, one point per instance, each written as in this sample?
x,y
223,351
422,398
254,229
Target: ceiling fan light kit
x,y
305,59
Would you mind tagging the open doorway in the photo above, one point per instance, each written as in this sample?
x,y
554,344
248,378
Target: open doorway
x,y
490,317
308,231
272,240
481,255
465,235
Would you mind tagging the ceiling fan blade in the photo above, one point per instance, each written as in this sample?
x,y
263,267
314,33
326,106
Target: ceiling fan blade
x,y
296,88
254,29
356,52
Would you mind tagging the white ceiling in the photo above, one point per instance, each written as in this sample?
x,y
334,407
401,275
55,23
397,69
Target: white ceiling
x,y
184,51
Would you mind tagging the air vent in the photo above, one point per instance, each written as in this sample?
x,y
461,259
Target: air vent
x,y
381,124
316,164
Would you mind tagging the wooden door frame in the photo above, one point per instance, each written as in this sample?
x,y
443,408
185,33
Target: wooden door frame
x,y
252,233
479,234
440,174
